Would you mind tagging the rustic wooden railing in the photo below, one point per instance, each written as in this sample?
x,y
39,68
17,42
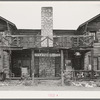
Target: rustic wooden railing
x,y
62,41
82,41
33,41
24,41
73,41
82,74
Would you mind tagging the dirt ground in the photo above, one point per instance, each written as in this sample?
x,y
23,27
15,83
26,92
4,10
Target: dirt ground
x,y
15,85
47,88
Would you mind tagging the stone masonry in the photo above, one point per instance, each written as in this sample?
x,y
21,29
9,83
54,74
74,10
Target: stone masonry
x,y
46,66
6,63
47,25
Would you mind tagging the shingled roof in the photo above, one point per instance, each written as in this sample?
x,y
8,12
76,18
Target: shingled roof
x,y
7,21
93,18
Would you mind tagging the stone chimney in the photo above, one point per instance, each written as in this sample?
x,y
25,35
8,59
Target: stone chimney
x,y
47,25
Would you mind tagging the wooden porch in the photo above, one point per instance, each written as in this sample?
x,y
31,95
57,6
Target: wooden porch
x,y
33,42
82,74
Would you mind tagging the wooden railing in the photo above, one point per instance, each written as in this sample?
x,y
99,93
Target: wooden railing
x,y
62,41
24,41
82,74
33,41
73,41
82,41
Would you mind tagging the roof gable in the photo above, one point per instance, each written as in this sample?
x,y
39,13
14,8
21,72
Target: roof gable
x,y
7,21
93,18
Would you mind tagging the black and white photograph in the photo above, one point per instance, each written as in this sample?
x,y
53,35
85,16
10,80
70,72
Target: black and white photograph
x,y
50,47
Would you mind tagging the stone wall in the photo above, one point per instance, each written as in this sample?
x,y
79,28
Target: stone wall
x,y
68,65
47,25
6,63
86,61
46,66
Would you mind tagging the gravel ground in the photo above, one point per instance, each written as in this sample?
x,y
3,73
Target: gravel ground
x,y
50,85
47,88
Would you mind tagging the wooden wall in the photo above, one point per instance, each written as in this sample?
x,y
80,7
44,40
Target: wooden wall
x,y
92,26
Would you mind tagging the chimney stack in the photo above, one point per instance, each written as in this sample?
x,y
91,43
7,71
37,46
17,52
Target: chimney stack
x,y
47,25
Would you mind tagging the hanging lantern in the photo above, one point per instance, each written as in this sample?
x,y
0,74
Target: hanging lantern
x,y
77,54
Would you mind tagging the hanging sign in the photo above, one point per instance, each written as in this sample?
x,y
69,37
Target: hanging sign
x,y
47,54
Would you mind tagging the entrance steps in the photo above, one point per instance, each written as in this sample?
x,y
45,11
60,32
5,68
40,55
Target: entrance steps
x,y
56,81
38,78
47,78
49,82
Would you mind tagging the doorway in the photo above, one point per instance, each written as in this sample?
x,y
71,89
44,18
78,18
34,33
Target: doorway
x,y
47,64
20,63
78,62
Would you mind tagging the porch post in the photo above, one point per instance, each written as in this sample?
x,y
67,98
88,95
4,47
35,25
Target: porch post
x,y
92,62
62,65
10,53
1,59
32,64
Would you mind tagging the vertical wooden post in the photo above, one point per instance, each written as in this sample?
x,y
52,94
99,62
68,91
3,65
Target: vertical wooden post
x,y
1,63
8,28
32,64
2,58
10,54
62,65
1,55
47,42
92,62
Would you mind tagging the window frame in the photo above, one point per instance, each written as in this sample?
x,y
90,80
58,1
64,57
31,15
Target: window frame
x,y
89,58
94,34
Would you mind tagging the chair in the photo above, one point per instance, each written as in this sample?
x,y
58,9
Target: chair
x,y
24,72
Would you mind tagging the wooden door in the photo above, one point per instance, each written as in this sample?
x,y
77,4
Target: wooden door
x,y
36,67
26,63
16,70
57,66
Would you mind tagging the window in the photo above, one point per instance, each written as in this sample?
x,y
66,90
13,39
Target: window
x,y
95,63
89,59
93,33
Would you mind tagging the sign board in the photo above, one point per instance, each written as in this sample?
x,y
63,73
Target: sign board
x,y
46,55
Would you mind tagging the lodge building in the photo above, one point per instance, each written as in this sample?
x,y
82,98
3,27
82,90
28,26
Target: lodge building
x,y
46,53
